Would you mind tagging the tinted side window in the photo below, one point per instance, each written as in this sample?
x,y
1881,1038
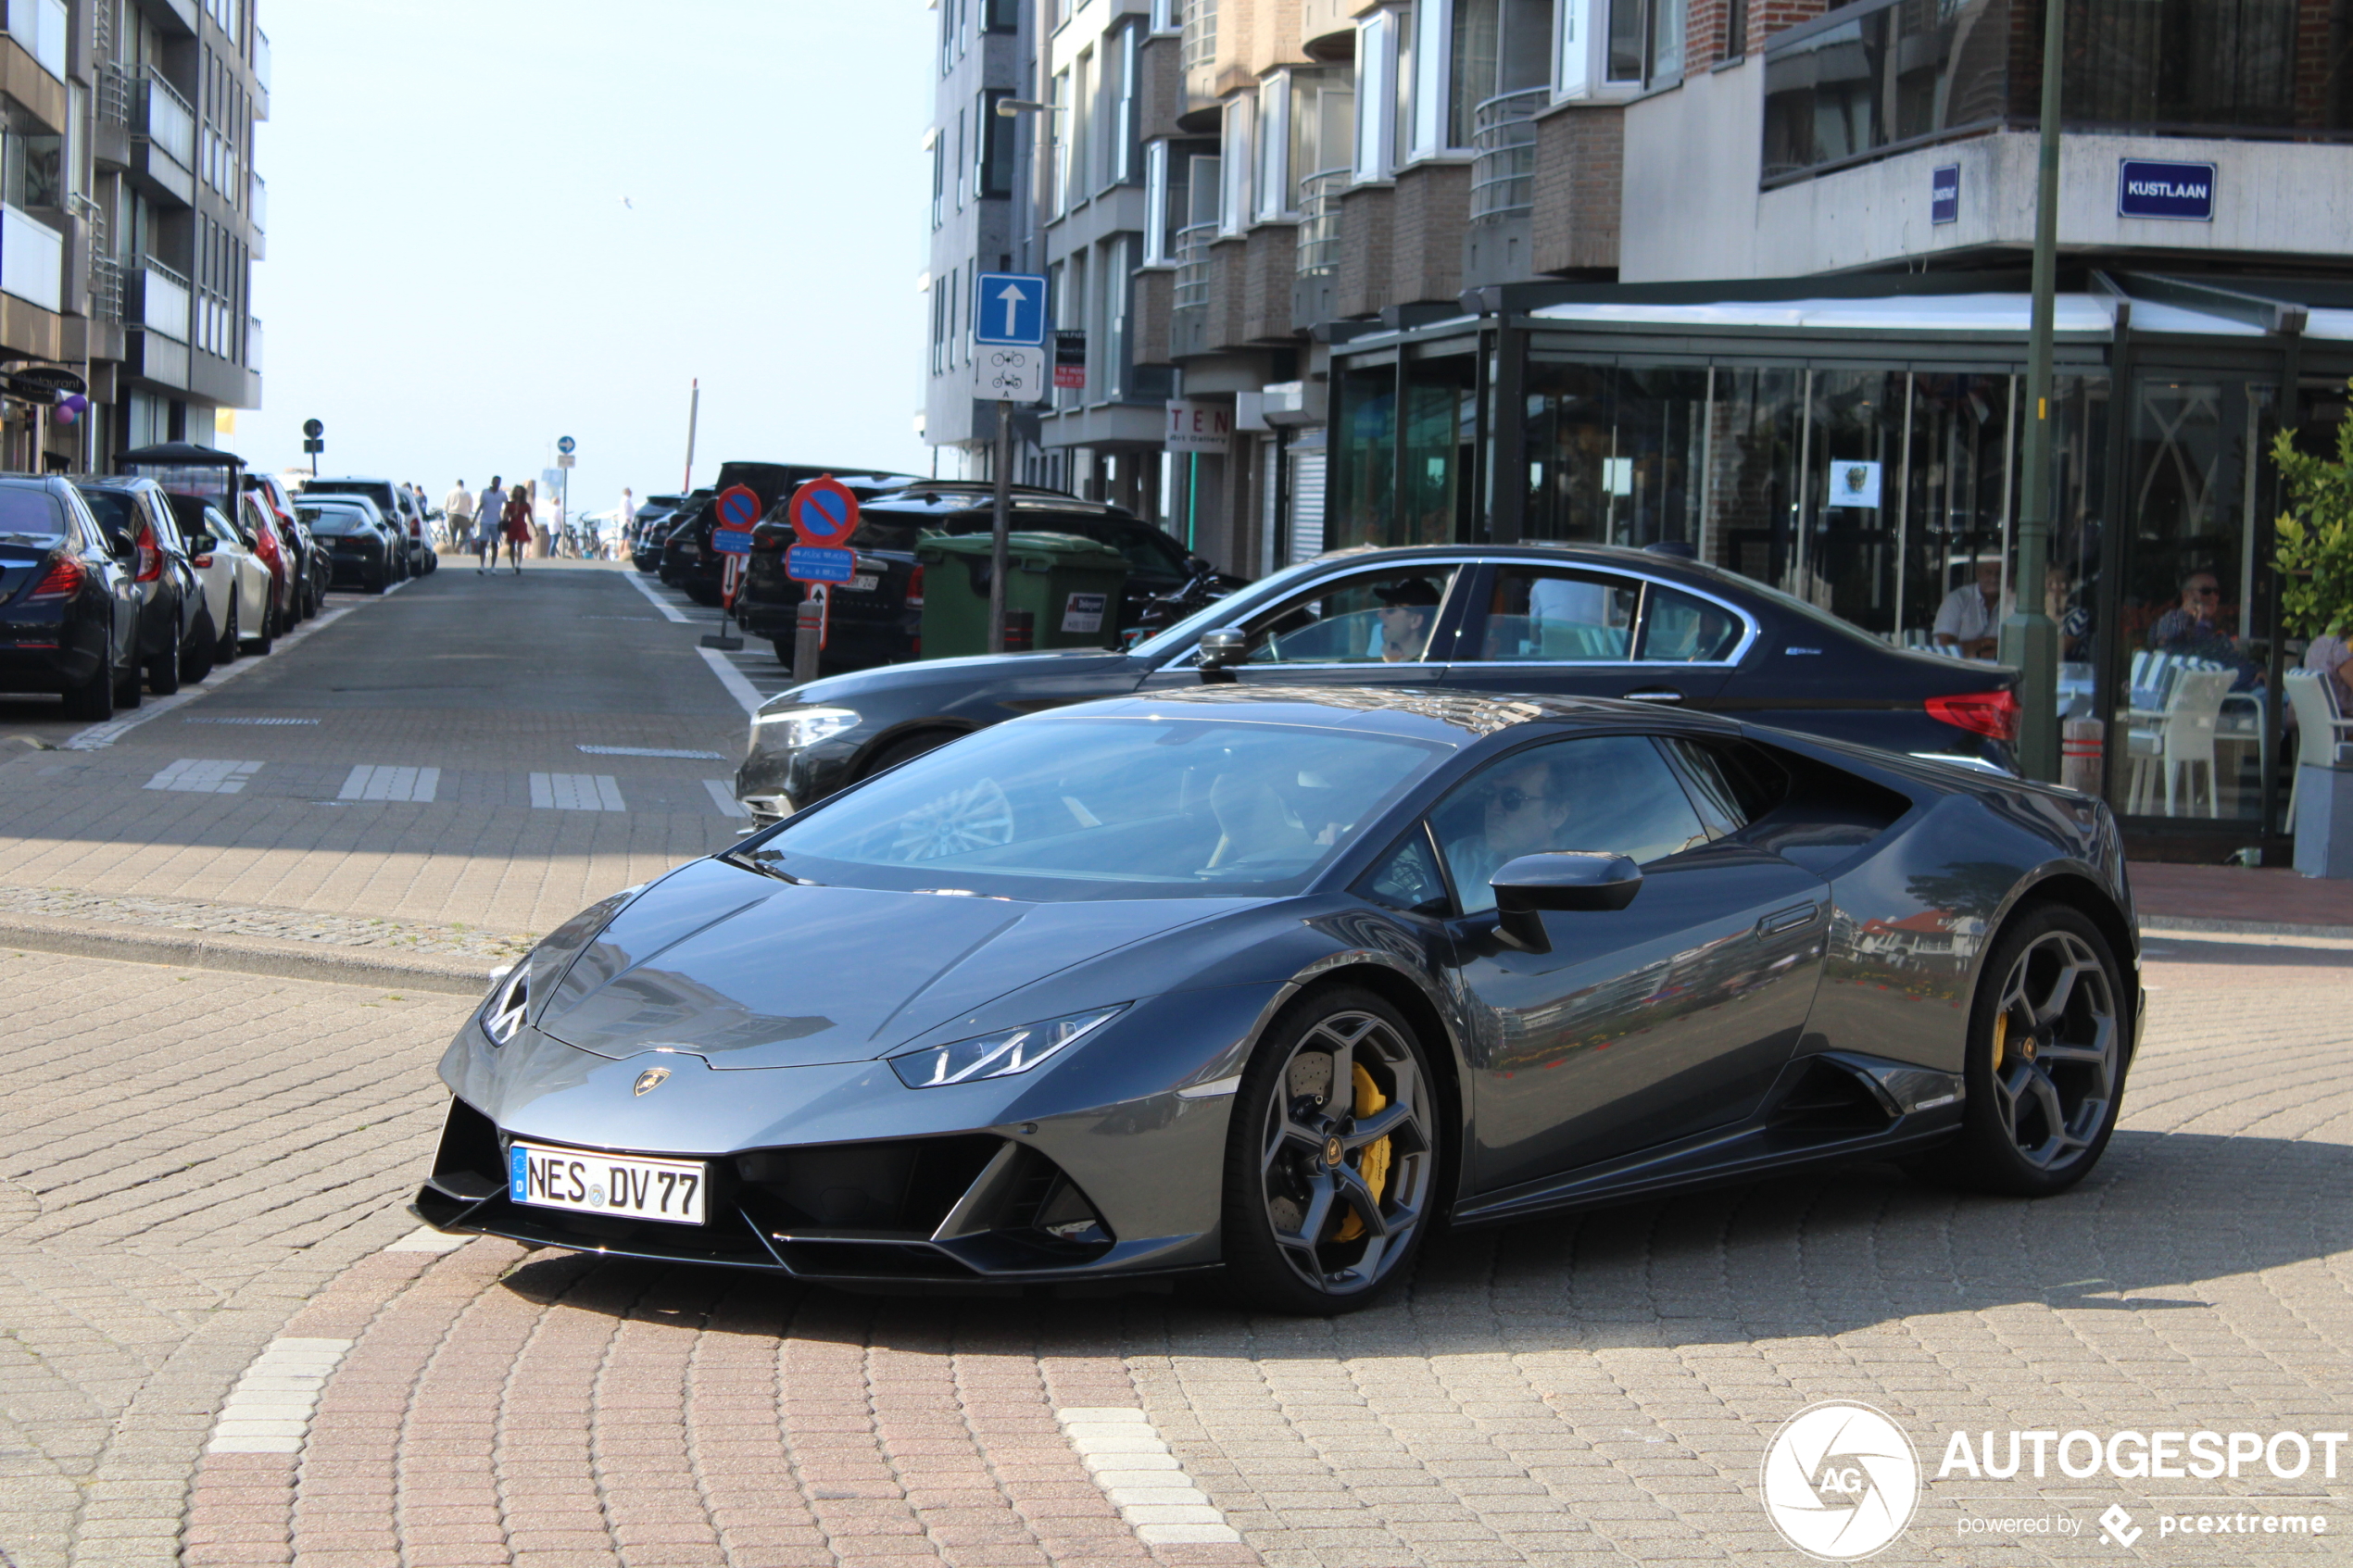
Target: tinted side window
x,y
1408,877
1370,617
1614,794
1719,804
1543,614
1680,629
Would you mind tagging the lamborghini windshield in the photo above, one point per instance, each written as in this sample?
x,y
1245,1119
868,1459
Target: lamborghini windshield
x,y
1106,807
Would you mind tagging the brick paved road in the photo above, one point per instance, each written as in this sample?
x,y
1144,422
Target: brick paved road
x,y
186,1183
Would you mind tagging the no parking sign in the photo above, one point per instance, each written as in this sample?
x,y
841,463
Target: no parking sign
x,y
823,513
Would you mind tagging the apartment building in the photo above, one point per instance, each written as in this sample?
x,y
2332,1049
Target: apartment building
x,y
130,218
1745,280
982,213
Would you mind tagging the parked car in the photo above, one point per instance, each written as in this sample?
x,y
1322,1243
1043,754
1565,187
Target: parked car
x,y
258,527
236,584
70,607
359,546
690,562
313,569
1278,979
1566,621
643,541
177,636
398,507
876,617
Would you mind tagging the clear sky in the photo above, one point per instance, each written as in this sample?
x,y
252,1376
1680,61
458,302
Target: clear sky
x,y
498,222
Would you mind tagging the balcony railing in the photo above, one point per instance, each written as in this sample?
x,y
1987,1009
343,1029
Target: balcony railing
x,y
163,302
253,344
105,290
257,202
114,95
1197,46
1192,264
1503,143
1319,233
169,123
40,27
261,58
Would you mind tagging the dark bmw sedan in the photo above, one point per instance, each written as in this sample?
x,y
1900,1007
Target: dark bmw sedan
x,y
361,551
69,610
1566,621
1276,980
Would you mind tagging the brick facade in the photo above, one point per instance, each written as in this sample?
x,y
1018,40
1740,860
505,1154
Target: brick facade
x,y
1161,94
1360,283
1270,266
1155,297
1580,168
1430,212
1228,289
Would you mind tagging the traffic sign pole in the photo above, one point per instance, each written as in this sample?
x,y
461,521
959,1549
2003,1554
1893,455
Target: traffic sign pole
x,y
1000,525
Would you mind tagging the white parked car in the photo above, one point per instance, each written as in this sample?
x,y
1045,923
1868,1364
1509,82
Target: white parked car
x,y
236,583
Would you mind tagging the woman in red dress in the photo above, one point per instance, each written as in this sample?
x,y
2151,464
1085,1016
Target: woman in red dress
x,y
516,526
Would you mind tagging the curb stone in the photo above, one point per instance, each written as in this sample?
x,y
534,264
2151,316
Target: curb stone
x,y
278,959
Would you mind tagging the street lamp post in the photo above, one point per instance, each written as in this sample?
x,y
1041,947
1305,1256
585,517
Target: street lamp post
x,y
2028,636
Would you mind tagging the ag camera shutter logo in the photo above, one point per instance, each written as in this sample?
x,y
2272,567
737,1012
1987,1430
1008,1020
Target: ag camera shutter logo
x,y
1841,1481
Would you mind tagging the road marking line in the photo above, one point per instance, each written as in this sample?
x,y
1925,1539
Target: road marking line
x,y
268,1411
424,1238
650,751
670,611
1129,1460
369,783
576,792
249,720
113,730
743,691
722,794
200,775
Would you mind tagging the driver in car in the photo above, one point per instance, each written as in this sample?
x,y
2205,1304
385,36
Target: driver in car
x,y
1407,608
1517,810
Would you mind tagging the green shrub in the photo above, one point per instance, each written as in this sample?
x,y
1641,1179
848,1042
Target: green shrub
x,y
2315,537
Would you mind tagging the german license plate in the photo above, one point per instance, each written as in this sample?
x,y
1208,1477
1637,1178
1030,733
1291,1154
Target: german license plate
x,y
862,584
626,1186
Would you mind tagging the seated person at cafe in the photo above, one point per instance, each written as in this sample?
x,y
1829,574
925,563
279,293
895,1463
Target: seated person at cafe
x,y
1970,621
2192,630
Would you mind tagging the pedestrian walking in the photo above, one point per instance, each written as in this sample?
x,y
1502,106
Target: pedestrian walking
x,y
458,515
489,518
518,527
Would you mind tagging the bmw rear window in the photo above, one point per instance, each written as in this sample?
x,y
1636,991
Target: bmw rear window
x,y
29,514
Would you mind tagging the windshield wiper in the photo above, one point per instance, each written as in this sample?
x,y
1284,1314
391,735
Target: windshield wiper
x,y
751,862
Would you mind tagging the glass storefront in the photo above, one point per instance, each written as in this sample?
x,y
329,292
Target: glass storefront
x,y
1889,494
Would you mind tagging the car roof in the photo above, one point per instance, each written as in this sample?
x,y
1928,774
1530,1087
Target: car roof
x,y
938,500
344,478
1435,713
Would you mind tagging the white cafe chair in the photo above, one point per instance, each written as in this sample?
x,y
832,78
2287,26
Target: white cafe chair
x,y
2319,730
2180,742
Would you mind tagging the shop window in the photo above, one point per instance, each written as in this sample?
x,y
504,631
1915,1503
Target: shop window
x,y
1439,434
1362,501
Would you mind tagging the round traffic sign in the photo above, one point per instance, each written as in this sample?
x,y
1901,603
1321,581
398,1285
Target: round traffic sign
x,y
739,507
824,511
567,445
313,429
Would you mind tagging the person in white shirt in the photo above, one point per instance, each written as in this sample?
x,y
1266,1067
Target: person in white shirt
x,y
488,514
1969,623
458,515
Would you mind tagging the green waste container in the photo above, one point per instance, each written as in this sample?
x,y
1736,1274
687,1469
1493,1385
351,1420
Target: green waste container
x,y
1061,591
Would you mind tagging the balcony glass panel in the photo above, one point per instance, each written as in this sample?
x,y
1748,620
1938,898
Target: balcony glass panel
x,y
171,125
261,58
1320,196
258,201
39,26
165,300
32,259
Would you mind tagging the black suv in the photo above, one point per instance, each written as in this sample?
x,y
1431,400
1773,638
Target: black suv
x,y
876,617
687,559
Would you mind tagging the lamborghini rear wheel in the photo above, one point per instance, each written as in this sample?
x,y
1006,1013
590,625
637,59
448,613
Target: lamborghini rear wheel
x,y
1331,1156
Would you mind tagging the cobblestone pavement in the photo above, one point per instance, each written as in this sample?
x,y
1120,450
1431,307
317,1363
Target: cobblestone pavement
x,y
1594,1390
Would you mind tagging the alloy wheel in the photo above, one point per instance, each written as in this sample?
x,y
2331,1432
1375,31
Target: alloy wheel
x,y
1344,1164
2056,1051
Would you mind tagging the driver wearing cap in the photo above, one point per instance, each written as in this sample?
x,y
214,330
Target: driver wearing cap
x,y
1407,609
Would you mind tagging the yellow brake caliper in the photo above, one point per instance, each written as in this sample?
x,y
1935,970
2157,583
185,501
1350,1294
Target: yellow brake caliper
x,y
1374,1166
2001,1037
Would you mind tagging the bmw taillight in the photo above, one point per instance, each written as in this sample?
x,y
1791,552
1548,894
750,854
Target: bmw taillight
x,y
915,589
150,557
1994,714
62,580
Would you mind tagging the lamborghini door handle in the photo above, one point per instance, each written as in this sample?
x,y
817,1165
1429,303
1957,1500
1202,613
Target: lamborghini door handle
x,y
1780,921
1655,694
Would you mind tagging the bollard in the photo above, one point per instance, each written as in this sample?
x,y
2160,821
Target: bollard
x,y
2080,744
807,631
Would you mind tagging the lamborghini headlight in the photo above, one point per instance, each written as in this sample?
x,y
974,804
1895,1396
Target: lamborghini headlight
x,y
996,1056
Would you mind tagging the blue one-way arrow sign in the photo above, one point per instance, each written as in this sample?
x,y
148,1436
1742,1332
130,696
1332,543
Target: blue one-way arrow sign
x,y
1010,309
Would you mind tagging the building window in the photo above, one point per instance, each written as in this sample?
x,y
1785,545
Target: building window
x,y
1083,135
1735,30
938,150
1000,16
1234,207
1200,46
1273,132
994,175
1427,74
1375,93
1573,30
1124,163
1323,130
963,166
1058,104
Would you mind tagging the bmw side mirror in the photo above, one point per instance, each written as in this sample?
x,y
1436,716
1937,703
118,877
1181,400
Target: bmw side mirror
x,y
1573,881
1220,652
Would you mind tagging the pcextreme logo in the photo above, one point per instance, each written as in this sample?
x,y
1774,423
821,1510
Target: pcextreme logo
x,y
1840,1481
